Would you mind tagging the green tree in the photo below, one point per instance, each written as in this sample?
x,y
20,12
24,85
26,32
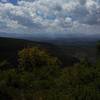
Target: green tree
x,y
31,58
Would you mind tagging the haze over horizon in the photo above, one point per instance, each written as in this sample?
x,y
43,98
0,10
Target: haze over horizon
x,y
47,18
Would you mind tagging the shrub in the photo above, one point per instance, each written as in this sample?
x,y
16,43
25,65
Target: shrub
x,y
31,58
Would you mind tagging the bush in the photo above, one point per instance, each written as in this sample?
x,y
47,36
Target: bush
x,y
5,65
31,58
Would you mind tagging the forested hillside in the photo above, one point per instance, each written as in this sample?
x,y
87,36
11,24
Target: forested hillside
x,y
39,73
9,48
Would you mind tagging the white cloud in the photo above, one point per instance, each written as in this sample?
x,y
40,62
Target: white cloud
x,y
52,17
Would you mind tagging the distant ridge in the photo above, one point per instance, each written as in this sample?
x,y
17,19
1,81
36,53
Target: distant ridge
x,y
68,39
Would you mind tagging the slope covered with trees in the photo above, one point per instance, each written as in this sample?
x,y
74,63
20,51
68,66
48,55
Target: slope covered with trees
x,y
9,48
38,76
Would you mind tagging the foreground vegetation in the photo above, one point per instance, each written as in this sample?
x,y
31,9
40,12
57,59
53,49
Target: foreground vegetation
x,y
41,71
39,76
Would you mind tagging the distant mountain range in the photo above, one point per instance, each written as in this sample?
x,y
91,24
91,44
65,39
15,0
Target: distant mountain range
x,y
68,39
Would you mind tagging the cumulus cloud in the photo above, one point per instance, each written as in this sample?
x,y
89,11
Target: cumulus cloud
x,y
49,17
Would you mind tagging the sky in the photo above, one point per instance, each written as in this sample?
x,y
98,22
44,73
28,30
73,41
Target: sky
x,y
50,17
